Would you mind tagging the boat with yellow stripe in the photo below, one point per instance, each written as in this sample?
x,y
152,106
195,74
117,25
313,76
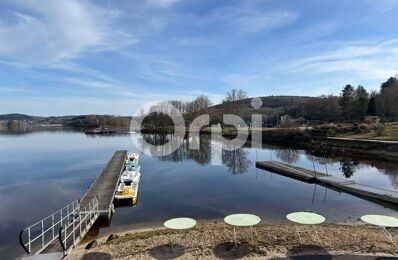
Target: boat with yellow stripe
x,y
127,191
128,185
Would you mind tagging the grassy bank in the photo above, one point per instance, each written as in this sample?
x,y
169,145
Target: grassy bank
x,y
214,241
386,132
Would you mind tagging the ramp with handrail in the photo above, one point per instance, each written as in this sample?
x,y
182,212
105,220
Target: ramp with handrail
x,y
35,238
71,234
61,231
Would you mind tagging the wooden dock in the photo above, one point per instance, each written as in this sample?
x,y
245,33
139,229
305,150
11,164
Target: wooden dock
x,y
71,223
290,171
339,184
105,185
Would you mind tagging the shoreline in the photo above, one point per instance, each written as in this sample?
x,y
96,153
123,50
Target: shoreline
x,y
215,240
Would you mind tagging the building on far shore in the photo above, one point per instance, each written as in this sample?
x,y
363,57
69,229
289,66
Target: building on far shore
x,y
371,120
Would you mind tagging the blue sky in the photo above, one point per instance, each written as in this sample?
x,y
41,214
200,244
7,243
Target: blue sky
x,y
109,57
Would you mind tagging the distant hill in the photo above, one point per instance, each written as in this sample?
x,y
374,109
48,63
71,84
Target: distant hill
x,y
272,107
16,116
69,121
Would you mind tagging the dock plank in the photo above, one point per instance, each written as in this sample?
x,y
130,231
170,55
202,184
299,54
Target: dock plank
x,y
104,186
290,170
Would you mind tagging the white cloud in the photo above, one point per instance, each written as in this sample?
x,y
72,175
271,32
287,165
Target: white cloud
x,y
44,31
326,70
366,60
250,17
257,21
162,3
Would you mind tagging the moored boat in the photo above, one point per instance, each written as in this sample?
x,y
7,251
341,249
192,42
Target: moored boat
x,y
129,180
131,176
132,159
127,191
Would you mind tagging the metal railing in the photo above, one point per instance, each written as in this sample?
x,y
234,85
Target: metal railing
x,y
41,234
71,233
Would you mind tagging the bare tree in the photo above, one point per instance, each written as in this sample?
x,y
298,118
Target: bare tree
x,y
200,103
231,101
235,95
179,105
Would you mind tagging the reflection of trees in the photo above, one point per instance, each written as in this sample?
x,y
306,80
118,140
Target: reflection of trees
x,y
203,155
182,153
321,158
348,167
390,169
236,160
288,155
392,175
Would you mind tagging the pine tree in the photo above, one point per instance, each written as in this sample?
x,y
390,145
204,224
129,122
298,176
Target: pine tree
x,y
372,104
347,101
361,101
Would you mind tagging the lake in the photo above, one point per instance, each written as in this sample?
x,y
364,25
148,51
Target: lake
x,y
41,172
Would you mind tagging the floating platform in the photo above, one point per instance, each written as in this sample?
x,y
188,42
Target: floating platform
x,y
339,184
290,171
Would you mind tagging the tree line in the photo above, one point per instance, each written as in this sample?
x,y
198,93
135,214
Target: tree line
x,y
352,105
356,102
157,116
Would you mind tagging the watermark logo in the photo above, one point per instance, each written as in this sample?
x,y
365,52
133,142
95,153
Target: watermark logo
x,y
181,132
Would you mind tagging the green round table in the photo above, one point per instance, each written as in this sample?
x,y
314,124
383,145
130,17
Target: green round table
x,y
306,218
380,220
179,224
383,222
242,220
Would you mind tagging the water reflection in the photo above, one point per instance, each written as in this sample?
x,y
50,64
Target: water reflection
x,y
288,155
387,168
182,153
348,167
63,169
321,158
236,161
201,156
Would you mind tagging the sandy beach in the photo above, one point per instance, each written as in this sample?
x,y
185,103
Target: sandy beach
x,y
215,241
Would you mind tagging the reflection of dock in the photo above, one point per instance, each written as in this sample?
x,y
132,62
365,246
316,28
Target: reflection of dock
x,y
58,233
101,131
339,184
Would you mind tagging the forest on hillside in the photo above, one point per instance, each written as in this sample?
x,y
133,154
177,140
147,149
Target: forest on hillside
x,y
351,106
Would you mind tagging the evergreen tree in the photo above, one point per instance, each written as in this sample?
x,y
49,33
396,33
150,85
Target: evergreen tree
x,y
392,81
372,104
347,101
361,101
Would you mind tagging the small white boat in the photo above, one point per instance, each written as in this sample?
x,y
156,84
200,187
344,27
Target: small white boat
x,y
129,180
133,157
131,176
133,168
126,191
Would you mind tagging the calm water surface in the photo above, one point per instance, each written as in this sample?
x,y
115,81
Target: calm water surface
x,y
42,171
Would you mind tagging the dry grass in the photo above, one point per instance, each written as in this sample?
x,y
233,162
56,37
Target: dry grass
x,y
387,132
214,241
